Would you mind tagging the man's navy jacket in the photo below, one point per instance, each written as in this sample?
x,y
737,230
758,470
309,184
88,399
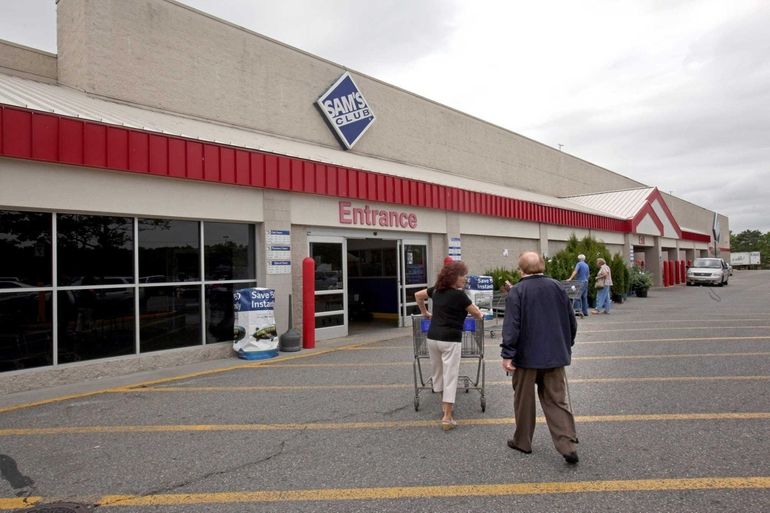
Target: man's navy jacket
x,y
539,326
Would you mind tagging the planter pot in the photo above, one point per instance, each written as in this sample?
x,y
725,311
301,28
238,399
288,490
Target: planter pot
x,y
617,298
641,292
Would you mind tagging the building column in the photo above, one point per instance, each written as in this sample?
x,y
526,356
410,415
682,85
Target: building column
x,y
277,215
543,246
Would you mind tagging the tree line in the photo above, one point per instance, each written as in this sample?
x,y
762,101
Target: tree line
x,y
752,240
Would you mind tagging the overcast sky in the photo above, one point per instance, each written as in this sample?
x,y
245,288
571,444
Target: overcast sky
x,y
672,93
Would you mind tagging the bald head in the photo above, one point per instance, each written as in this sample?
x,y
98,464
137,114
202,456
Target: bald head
x,y
531,263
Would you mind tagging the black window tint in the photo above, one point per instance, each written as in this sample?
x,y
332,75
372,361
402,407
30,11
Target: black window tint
x,y
25,249
92,248
169,251
26,332
220,313
169,317
95,323
230,251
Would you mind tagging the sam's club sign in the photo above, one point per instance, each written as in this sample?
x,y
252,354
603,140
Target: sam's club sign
x,y
346,110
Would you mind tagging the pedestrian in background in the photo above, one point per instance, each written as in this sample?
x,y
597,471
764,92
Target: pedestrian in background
x,y
581,274
444,339
603,285
538,334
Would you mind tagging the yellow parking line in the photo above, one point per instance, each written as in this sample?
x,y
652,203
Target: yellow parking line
x,y
421,492
180,377
168,428
370,386
496,359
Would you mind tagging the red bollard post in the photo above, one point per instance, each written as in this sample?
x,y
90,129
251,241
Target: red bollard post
x,y
308,303
682,273
665,273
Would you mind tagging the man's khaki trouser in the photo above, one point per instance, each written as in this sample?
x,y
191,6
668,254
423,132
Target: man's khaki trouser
x,y
552,391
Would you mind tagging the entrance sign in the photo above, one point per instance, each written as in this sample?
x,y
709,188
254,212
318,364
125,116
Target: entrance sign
x,y
346,110
367,216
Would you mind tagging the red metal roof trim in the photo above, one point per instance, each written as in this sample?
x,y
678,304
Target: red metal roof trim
x,y
697,237
33,135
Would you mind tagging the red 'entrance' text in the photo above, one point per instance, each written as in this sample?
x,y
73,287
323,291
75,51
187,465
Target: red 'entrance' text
x,y
372,217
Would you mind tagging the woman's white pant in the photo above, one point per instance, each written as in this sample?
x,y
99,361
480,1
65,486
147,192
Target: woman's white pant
x,y
445,360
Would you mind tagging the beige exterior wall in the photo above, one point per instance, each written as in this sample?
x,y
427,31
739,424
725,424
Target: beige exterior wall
x,y
33,185
27,62
482,253
698,218
234,76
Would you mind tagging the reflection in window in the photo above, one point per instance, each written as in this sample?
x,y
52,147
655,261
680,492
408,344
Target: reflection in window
x,y
230,251
169,251
26,332
220,314
329,321
92,248
328,303
25,249
95,323
328,265
415,264
169,317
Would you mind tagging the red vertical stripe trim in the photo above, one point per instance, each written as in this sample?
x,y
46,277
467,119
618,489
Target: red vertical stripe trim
x,y
320,179
158,155
138,151
331,181
17,133
308,176
227,165
242,167
94,144
257,176
210,163
177,158
117,148
271,171
363,187
398,190
45,137
296,183
352,183
71,142
194,153
284,173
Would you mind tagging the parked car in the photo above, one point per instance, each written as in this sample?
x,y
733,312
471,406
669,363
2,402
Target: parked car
x,y
711,271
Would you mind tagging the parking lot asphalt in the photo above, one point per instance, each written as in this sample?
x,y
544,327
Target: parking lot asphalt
x,y
671,395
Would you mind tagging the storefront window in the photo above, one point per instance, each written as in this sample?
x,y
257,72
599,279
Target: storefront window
x,y
26,331
95,323
230,251
25,249
169,251
169,317
220,314
329,321
95,250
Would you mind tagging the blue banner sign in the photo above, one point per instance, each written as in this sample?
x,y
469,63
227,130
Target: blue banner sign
x,y
346,110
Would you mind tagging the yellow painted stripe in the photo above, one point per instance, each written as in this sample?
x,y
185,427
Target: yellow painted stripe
x,y
420,492
410,347
166,428
370,386
180,377
496,359
657,327
19,503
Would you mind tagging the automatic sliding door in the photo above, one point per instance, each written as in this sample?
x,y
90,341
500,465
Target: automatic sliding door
x,y
413,276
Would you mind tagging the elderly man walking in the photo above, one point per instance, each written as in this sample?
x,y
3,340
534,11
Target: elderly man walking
x,y
538,334
580,273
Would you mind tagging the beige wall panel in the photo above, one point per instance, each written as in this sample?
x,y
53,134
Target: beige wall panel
x,y
321,211
554,246
207,68
27,62
565,232
495,227
482,253
31,185
610,238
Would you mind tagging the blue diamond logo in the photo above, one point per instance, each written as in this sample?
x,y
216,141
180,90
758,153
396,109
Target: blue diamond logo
x,y
346,110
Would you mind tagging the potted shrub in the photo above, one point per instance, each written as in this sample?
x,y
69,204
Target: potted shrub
x,y
619,278
640,281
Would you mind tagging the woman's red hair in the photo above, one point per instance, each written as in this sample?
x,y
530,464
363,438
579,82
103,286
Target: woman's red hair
x,y
448,275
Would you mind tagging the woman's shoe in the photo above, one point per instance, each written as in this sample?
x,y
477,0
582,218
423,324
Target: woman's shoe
x,y
595,311
448,425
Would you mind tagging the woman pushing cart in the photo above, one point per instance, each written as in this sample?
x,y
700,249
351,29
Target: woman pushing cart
x,y
444,337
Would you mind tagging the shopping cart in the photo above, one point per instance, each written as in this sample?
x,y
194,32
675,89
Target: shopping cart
x,y
472,348
574,290
498,311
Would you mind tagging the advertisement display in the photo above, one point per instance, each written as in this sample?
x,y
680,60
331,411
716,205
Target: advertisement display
x,y
255,336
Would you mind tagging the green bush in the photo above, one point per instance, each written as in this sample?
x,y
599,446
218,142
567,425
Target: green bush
x,y
500,274
561,265
620,275
639,279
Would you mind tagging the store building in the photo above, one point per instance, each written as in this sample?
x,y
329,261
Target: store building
x,y
164,158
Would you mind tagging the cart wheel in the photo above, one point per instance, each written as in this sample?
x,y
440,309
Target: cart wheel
x,y
467,385
416,404
483,404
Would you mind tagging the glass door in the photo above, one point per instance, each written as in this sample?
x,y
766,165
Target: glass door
x,y
331,298
412,277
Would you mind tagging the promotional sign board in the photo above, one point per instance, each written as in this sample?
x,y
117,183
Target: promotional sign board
x,y
346,110
255,335
746,258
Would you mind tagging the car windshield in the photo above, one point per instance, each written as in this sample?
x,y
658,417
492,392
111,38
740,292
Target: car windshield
x,y
707,262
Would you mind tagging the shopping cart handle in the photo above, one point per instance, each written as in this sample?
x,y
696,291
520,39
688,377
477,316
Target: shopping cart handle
x,y
469,324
